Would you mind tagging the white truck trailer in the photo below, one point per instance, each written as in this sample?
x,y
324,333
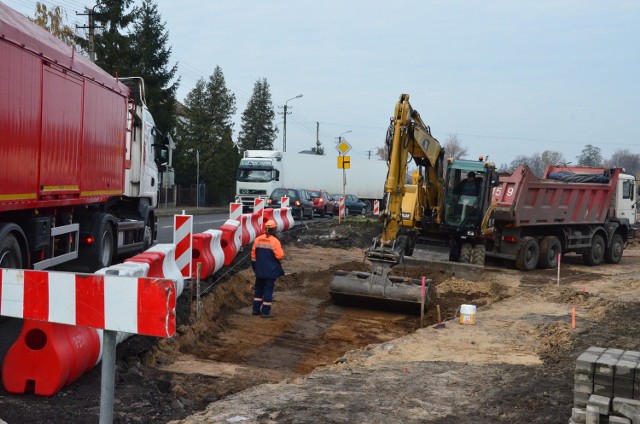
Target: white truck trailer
x,y
262,171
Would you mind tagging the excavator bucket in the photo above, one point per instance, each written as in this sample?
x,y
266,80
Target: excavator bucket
x,y
377,289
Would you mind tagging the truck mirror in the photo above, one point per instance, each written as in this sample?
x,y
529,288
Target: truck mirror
x,y
277,175
495,180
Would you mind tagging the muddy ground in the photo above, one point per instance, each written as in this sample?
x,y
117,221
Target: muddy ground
x,y
319,362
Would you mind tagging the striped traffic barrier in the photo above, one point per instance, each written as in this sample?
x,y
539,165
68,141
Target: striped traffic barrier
x,y
169,269
376,207
231,240
258,210
248,231
201,254
267,214
287,217
284,202
182,230
235,210
216,249
341,209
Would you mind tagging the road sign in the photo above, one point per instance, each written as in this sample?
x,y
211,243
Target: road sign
x,y
344,162
343,147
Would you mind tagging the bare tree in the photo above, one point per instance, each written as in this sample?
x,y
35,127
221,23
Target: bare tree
x,y
453,147
383,152
624,158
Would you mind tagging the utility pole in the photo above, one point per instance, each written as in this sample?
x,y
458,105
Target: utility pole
x,y
285,113
92,31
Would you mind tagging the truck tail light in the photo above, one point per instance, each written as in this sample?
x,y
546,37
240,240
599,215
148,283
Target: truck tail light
x,y
88,240
509,239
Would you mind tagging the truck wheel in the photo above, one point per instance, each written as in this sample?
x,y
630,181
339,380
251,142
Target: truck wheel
x,y
478,254
466,252
104,245
10,253
528,255
147,237
595,253
613,254
549,248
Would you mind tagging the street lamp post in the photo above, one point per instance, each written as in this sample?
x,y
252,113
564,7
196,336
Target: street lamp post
x,y
340,136
284,133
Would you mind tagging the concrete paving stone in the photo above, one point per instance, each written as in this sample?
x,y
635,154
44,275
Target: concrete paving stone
x,y
606,365
596,350
583,376
606,380
602,390
579,387
627,383
586,362
580,400
614,352
592,415
579,415
618,420
620,404
603,403
631,355
622,392
625,368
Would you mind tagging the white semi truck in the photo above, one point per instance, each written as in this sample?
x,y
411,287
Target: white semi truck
x,y
262,171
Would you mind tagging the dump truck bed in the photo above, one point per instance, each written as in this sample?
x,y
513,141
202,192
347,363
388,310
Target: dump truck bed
x,y
522,199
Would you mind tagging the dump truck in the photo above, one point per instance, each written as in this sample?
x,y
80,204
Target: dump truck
x,y
589,211
262,171
79,155
431,205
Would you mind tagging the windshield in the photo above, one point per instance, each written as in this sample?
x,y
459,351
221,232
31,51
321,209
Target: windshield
x,y
313,194
256,175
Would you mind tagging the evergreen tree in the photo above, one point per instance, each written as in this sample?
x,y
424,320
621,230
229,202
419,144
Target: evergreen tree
x,y
149,40
113,45
192,134
257,130
318,149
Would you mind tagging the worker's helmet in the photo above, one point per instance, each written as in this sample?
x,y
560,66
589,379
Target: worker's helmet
x,y
271,224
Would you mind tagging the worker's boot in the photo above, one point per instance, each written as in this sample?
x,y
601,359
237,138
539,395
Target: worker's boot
x,y
256,307
266,311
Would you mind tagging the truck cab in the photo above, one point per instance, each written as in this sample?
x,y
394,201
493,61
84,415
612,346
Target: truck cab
x,y
258,175
625,199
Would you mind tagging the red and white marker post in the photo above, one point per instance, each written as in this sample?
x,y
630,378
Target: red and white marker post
x,y
284,202
235,211
376,207
182,231
341,209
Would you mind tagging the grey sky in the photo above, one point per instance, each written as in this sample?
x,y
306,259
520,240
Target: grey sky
x,y
508,77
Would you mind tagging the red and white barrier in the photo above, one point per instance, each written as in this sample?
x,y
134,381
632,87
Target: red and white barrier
x,y
162,261
235,210
258,209
201,254
216,249
231,240
283,218
376,207
284,202
182,230
249,232
341,209
267,214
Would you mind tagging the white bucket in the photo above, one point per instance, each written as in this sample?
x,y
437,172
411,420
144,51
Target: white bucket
x,y
468,314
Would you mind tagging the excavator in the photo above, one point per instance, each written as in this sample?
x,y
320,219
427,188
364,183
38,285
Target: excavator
x,y
437,203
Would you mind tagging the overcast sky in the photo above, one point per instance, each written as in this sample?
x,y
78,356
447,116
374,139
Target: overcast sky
x,y
508,77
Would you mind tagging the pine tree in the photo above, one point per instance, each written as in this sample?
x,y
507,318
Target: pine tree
x,y
149,40
114,51
257,129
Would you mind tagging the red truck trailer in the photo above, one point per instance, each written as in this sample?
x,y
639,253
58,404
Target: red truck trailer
x,y
590,211
79,155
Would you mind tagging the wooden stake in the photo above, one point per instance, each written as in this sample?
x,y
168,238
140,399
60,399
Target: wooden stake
x,y
438,309
422,303
573,317
559,256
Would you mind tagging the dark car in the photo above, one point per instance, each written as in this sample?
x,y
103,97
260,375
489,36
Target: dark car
x,y
323,204
352,205
299,201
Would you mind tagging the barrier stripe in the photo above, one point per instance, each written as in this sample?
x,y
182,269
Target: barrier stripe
x,y
182,239
89,301
36,296
152,308
62,290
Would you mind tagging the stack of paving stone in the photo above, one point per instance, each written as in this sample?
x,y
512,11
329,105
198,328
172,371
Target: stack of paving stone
x,y
606,387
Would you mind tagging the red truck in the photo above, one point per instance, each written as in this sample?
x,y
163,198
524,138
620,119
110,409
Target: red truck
x,y
589,211
79,155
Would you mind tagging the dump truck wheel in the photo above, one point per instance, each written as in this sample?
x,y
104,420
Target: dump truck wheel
x,y
613,254
549,248
528,255
466,252
595,253
10,253
478,255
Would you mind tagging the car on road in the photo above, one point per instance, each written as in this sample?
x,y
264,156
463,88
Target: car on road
x,y
323,204
352,204
299,201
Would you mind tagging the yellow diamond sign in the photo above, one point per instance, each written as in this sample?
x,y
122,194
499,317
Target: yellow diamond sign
x,y
343,147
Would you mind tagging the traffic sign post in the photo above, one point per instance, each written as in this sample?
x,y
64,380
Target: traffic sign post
x,y
344,162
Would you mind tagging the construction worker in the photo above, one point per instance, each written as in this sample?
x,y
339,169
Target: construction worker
x,y
265,261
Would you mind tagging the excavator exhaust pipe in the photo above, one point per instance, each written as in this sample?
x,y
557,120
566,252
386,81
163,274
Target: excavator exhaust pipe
x,y
377,289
